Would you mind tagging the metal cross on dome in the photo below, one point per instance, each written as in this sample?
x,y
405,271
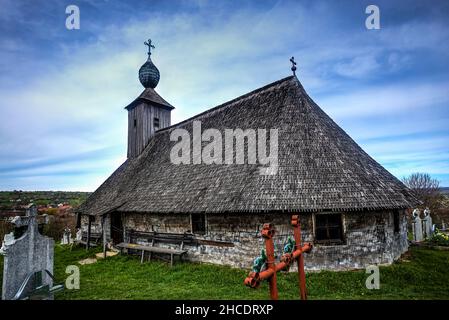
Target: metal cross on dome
x,y
292,60
148,43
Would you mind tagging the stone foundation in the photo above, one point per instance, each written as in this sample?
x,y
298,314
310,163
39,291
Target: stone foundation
x,y
235,240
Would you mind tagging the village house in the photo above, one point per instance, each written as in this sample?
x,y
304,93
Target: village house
x,y
351,208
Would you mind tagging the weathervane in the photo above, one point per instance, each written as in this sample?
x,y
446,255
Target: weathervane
x,y
148,43
292,60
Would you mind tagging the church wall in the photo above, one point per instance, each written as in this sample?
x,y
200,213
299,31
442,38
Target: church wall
x,y
235,240
96,225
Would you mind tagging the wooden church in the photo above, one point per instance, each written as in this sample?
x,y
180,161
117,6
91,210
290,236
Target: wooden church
x,y
351,208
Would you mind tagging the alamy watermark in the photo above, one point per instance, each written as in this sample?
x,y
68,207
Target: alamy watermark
x,y
373,280
189,150
72,22
73,280
373,20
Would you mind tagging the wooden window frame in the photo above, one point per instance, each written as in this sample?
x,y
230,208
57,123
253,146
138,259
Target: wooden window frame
x,y
156,123
329,242
192,224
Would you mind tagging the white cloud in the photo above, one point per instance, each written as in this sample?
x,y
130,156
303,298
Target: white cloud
x,y
358,67
386,100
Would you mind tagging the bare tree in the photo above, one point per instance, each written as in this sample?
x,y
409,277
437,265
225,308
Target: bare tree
x,y
425,188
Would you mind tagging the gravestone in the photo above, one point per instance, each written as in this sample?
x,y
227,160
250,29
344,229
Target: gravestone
x,y
66,236
427,224
417,226
79,235
28,259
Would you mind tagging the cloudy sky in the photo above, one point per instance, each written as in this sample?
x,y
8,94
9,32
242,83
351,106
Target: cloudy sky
x,y
62,92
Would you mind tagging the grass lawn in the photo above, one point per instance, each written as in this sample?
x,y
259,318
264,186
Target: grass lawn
x,y
425,275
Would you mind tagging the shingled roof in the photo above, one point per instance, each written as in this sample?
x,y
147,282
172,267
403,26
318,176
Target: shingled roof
x,y
150,95
320,166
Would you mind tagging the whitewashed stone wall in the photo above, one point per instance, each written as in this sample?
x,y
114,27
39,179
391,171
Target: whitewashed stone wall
x,y
369,238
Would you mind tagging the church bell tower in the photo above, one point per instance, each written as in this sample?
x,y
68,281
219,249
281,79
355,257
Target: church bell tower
x,y
149,112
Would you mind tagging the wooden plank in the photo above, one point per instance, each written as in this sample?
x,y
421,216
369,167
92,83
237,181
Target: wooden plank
x,y
216,243
103,225
151,249
88,233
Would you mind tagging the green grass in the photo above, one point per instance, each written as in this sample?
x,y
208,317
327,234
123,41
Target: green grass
x,y
424,276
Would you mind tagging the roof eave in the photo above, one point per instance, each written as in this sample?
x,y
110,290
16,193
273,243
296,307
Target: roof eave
x,y
133,104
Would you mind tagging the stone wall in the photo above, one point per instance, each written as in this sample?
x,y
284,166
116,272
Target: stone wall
x,y
96,225
369,238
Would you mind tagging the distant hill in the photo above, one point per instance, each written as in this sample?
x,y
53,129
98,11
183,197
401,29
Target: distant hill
x,y
445,190
18,198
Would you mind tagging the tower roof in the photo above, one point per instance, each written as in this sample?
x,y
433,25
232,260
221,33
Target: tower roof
x,y
150,95
320,166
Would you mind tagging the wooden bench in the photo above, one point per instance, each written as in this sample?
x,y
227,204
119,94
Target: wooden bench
x,y
150,250
153,238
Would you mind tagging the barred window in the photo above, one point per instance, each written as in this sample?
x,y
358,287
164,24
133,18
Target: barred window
x,y
156,123
329,228
198,223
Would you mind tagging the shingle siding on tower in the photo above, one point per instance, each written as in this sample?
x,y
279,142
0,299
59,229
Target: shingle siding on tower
x,y
141,125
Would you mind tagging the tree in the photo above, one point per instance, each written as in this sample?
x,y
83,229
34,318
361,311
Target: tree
x,y
425,188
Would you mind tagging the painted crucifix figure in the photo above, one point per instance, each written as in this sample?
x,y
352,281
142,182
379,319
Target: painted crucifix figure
x,y
148,43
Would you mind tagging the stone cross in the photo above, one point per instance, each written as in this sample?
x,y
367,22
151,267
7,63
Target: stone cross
x,y
28,259
417,226
427,224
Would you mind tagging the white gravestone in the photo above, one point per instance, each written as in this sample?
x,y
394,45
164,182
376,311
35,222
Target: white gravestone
x,y
417,226
66,236
27,255
427,224
79,235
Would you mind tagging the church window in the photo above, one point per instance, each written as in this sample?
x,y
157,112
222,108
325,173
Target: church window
x,y
198,223
396,219
329,228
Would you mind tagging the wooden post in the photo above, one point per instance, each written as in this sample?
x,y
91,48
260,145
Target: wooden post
x,y
88,233
296,223
267,233
103,227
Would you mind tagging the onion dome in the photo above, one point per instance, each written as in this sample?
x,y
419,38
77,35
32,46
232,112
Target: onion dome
x,y
148,73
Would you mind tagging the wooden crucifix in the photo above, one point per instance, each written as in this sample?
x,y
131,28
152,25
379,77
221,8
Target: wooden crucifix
x,y
292,60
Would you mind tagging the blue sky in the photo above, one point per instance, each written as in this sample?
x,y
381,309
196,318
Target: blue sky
x,y
63,91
